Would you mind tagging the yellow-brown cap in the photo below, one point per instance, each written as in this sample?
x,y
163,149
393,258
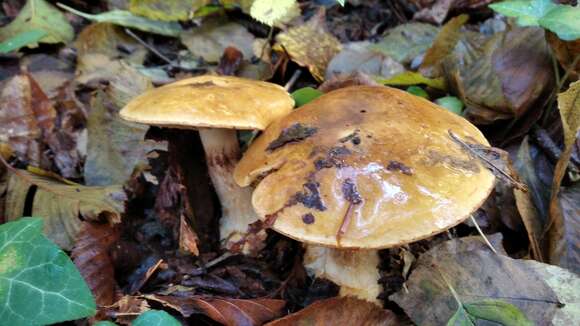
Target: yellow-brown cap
x,y
365,167
212,102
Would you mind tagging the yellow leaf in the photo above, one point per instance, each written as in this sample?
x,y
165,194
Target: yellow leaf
x,y
310,45
413,78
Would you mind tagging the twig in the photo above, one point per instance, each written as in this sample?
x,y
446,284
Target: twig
x,y
218,260
149,47
541,138
292,80
482,234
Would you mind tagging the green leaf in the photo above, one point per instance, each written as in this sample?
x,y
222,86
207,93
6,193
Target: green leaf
x,y
271,12
498,311
38,282
564,21
105,323
22,39
305,95
155,318
451,103
418,91
341,2
527,12
166,10
412,78
460,318
39,15
127,19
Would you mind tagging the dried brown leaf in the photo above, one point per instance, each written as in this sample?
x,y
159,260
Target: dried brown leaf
x,y
340,311
230,61
230,312
187,238
443,45
127,309
91,256
310,45
435,11
566,52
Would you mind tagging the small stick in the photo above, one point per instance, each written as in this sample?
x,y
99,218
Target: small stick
x,y
482,234
149,47
292,80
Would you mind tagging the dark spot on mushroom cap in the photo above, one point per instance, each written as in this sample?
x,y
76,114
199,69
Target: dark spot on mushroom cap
x,y
334,158
292,134
353,137
350,193
308,218
399,166
309,197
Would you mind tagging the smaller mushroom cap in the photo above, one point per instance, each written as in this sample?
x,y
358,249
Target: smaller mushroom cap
x,y
365,167
211,102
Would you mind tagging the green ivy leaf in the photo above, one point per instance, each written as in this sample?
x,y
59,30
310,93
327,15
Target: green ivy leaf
x,y
39,15
564,21
38,282
527,12
105,323
22,39
451,103
305,95
127,19
155,318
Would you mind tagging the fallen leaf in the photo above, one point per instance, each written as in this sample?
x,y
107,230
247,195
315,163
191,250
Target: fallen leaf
x,y
476,275
165,10
442,46
26,118
39,283
110,40
230,61
274,12
49,72
127,19
413,78
407,41
340,81
155,318
21,39
562,240
310,45
566,52
340,311
91,256
527,13
359,57
127,308
61,205
39,15
210,40
227,311
187,238
437,10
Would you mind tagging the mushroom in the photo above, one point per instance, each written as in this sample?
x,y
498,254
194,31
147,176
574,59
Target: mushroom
x,y
216,106
359,169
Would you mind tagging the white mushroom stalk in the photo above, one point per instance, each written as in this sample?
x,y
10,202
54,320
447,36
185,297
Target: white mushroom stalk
x,y
355,271
222,153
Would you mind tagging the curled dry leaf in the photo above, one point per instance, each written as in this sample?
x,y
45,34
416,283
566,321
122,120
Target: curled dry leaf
x,y
227,311
61,204
340,311
477,274
310,45
91,256
563,247
503,77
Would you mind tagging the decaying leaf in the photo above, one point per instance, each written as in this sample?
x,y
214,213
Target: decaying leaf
x,y
211,39
26,117
405,42
61,204
340,311
187,238
39,15
310,45
478,274
274,12
166,10
435,11
127,308
110,40
91,256
359,57
229,312
503,77
562,228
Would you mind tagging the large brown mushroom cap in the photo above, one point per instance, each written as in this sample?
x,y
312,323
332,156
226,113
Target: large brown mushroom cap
x,y
211,101
365,167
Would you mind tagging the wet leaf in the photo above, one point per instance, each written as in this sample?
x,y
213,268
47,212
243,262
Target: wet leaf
x,y
310,45
451,103
38,282
340,311
227,311
562,237
27,117
406,41
166,10
527,12
413,78
304,95
22,39
155,318
127,19
358,57
91,256
39,15
476,275
211,39
274,12
61,204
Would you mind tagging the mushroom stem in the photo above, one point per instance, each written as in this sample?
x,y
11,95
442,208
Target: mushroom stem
x,y
355,271
222,152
